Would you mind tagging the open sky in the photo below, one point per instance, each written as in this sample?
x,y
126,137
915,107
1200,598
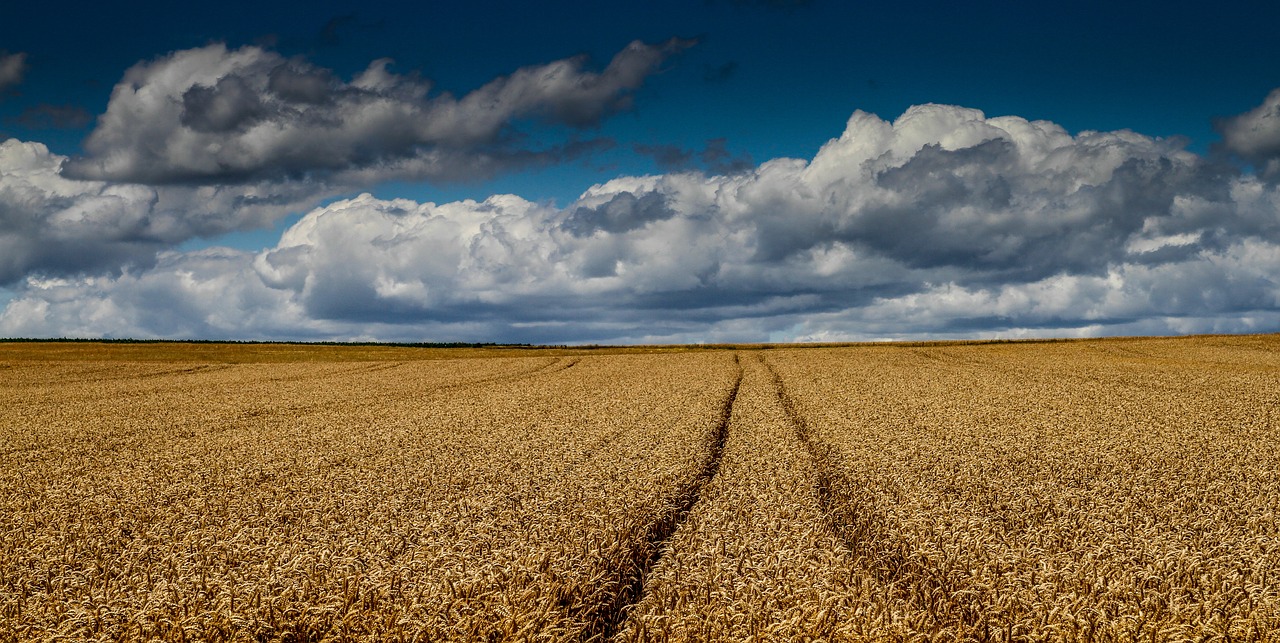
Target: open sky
x,y
574,172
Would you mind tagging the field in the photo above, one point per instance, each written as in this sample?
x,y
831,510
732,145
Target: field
x,y
1101,490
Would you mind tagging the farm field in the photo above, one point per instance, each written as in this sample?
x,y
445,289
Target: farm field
x,y
1100,490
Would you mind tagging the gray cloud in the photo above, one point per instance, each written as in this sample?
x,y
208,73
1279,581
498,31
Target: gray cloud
x,y
622,213
231,106
45,116
714,158
1255,135
302,84
717,158
940,223
213,115
12,68
975,207
668,157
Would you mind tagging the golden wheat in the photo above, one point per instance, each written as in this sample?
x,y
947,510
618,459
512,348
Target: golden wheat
x,y
1102,491
427,500
1117,490
755,561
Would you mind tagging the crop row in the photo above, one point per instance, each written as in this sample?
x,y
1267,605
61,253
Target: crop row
x,y
1117,490
470,500
1079,492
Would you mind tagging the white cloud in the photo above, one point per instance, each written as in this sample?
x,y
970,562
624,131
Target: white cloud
x,y
208,293
52,225
940,223
214,115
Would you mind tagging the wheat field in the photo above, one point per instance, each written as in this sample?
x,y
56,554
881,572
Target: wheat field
x,y
1096,490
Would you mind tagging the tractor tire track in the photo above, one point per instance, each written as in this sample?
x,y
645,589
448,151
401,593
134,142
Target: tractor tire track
x,y
852,514
605,620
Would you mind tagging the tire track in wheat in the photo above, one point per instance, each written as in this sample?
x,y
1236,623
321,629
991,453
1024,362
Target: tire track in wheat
x,y
867,531
611,617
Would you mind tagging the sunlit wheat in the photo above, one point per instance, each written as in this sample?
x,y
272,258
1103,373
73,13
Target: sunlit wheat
x,y
1115,490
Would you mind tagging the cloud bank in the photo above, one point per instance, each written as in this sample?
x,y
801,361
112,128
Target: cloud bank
x,y
211,140
53,226
940,223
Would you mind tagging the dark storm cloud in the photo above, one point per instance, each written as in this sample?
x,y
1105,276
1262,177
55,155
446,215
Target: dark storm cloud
x,y
213,115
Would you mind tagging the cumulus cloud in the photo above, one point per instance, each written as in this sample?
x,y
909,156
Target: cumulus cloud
x,y
1255,135
942,222
52,226
12,69
219,115
1233,290
211,293
211,140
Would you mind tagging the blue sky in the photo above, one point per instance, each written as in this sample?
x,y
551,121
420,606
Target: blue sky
x,y
738,199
